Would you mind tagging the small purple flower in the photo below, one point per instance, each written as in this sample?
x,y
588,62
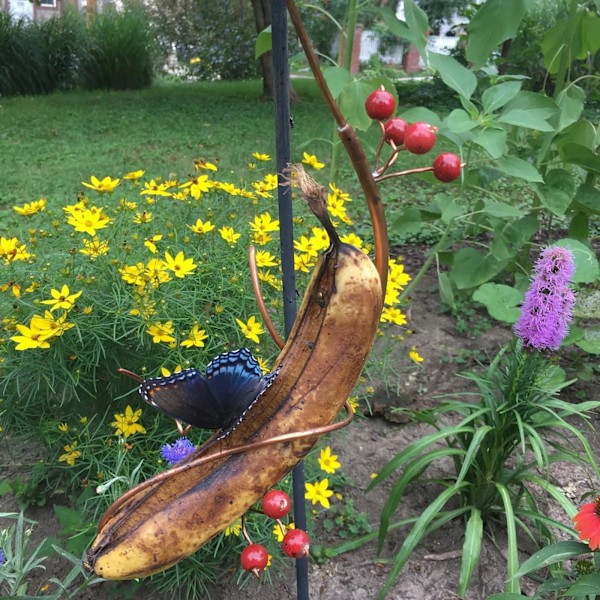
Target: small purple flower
x,y
177,451
546,311
2,557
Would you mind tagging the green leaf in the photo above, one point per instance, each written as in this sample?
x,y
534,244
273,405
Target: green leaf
x,y
497,96
416,534
471,551
587,307
471,268
581,155
550,555
591,340
502,301
558,191
453,74
587,269
530,119
420,113
512,550
408,221
337,79
450,207
517,167
459,121
413,29
588,585
570,102
556,42
264,42
581,133
494,22
493,141
502,210
445,286
588,198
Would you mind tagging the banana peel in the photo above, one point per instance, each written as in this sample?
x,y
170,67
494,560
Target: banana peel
x,y
165,519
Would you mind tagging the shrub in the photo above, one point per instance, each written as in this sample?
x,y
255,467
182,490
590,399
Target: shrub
x,y
122,49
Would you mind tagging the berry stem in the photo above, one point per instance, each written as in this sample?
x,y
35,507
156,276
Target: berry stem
x,y
245,531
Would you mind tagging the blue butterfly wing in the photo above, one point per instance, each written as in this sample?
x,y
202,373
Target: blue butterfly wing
x,y
184,396
218,400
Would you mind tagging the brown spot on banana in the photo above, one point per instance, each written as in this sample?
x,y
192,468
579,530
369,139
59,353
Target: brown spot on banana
x,y
320,364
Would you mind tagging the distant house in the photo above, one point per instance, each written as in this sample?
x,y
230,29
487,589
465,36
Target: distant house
x,y
40,10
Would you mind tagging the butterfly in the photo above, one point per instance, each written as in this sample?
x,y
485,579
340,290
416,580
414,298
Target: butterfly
x,y
220,399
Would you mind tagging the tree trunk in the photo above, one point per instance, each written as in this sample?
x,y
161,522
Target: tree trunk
x,y
262,16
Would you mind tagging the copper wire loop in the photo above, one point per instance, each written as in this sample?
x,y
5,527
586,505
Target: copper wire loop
x,y
259,299
279,439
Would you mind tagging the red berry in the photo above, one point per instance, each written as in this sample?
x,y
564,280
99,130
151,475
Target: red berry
x,y
276,504
296,543
446,167
420,137
254,558
395,129
380,105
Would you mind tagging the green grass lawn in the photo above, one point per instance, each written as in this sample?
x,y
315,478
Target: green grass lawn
x,y
49,144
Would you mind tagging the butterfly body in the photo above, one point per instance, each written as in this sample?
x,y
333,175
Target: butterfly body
x,y
219,399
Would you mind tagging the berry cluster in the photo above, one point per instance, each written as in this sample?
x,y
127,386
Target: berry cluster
x,y
417,138
295,544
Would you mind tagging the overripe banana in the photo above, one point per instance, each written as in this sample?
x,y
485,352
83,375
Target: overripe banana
x,y
319,365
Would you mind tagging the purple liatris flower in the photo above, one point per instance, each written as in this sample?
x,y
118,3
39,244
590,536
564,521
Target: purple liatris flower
x,y
546,311
177,451
2,557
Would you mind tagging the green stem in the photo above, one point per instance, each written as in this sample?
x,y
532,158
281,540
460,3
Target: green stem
x,y
417,278
345,53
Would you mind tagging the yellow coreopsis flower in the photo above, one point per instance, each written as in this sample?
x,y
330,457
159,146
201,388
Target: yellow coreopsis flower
x,y
203,164
234,529
195,338
312,161
155,189
62,299
143,217
180,265
195,60
352,238
161,332
198,186
106,185
319,492
270,278
264,223
150,243
281,530
71,453
88,220
262,189
202,227
31,208
394,315
63,427
414,356
133,175
259,156
126,424
266,259
156,272
12,250
353,402
306,246
94,247
328,462
229,234
30,338
251,329
133,274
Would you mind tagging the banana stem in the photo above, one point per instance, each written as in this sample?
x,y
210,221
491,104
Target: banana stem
x,y
259,297
185,466
353,148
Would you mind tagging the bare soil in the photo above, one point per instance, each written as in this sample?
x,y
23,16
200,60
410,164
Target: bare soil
x,y
364,447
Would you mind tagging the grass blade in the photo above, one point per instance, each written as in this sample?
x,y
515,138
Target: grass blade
x,y
471,550
512,551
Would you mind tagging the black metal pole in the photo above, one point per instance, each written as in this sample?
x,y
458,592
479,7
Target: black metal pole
x,y
283,158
